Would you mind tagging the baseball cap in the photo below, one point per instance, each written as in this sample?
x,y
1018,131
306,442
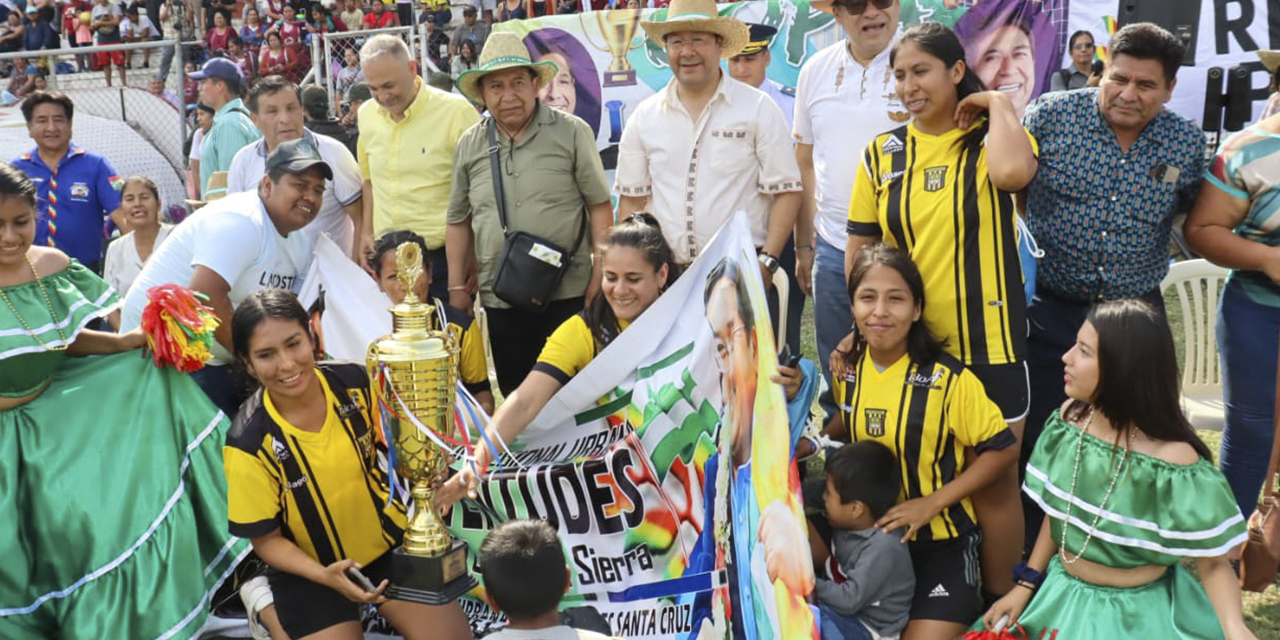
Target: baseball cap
x,y
469,9
221,68
359,91
315,99
297,156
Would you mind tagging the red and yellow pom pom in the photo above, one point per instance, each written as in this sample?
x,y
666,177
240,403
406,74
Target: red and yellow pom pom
x,y
179,327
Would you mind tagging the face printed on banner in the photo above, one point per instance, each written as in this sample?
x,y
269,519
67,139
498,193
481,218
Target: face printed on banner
x,y
560,93
281,358
1005,62
1132,92
750,69
694,57
736,355
630,283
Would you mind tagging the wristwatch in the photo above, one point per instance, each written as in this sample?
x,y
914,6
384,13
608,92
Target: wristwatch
x,y
769,262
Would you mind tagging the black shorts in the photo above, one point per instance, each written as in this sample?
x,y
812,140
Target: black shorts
x,y
1008,385
947,579
305,607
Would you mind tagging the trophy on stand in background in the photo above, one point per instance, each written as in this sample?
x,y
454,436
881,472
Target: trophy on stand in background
x,y
619,29
414,374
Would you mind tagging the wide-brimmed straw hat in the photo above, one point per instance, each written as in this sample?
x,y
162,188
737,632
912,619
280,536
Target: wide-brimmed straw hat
x,y
1270,59
503,50
700,15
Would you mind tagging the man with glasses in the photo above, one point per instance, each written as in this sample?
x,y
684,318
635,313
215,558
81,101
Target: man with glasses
x,y
1081,73
707,145
846,92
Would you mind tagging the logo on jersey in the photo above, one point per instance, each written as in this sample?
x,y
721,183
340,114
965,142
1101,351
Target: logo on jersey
x,y
917,379
935,178
875,421
892,145
890,176
79,190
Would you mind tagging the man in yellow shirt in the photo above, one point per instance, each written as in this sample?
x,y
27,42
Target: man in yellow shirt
x,y
407,136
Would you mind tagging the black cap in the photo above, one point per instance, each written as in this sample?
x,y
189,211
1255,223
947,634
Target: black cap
x,y
760,39
297,156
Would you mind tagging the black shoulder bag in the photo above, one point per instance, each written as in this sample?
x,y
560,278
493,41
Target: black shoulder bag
x,y
531,267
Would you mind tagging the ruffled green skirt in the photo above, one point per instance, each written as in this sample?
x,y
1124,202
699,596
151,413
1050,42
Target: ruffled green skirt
x,y
1068,608
113,505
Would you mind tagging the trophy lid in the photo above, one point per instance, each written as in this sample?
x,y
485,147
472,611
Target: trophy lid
x,y
412,317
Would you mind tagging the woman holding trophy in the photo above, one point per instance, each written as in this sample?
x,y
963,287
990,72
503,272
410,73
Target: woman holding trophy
x,y
308,485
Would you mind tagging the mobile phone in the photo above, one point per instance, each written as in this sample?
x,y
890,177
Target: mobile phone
x,y
786,359
794,361
1097,67
360,579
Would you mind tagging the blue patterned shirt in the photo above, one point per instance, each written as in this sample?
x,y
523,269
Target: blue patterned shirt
x,y
1102,215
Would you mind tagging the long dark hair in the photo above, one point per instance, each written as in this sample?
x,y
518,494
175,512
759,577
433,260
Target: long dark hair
x,y
16,183
640,232
390,241
922,346
1137,374
940,42
262,305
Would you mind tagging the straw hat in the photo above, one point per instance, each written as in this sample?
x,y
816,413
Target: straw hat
x,y
1270,59
217,181
503,50
700,15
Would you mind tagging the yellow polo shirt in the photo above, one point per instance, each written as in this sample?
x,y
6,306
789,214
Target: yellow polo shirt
x,y
410,163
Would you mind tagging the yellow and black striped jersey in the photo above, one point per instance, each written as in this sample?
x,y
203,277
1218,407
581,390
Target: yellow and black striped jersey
x,y
570,348
327,490
927,414
931,197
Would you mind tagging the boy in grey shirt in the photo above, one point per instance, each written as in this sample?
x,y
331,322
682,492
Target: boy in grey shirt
x,y
869,583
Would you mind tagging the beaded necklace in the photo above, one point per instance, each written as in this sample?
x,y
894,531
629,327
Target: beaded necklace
x,y
1071,497
53,314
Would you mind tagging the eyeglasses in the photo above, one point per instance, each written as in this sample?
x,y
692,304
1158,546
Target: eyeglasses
x,y
858,7
1081,46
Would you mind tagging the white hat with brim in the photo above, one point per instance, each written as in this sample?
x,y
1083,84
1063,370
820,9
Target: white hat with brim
x,y
1270,59
503,50
700,15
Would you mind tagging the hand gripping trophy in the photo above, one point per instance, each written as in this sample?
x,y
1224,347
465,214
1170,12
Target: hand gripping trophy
x,y
414,373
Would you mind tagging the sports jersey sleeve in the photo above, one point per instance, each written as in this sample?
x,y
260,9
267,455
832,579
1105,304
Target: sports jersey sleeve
x,y
568,350
863,205
474,369
974,418
229,247
253,506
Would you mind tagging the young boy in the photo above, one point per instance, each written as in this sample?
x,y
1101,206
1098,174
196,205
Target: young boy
x,y
867,592
525,575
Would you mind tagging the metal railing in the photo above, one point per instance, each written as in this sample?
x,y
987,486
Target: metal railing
x,y
335,46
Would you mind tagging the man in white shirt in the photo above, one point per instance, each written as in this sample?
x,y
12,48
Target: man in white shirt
x,y
238,245
844,98
276,110
707,146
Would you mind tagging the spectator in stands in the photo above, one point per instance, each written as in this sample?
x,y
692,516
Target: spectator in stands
x,y
156,87
175,20
279,114
277,59
253,32
488,6
215,42
404,188
21,80
470,30
214,7
240,244
190,87
379,17
203,122
11,33
237,54
357,95
292,30
511,10
404,12
321,20
126,255
106,24
436,12
437,44
534,140
220,87
1116,165
273,11
77,191
350,72
1081,72
316,104
464,61
352,15
40,81
138,28
46,21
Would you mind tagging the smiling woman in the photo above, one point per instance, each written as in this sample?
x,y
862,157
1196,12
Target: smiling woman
x,y
140,204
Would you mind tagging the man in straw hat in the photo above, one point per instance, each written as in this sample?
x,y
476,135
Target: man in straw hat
x,y
551,172
1271,60
707,145
846,93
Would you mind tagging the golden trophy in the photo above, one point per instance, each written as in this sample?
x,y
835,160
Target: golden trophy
x,y
415,372
619,29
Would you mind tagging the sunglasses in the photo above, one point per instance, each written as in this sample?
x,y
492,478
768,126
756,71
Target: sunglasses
x,y
858,7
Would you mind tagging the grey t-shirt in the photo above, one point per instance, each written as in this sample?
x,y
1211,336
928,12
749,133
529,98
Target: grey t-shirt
x,y
878,582
108,34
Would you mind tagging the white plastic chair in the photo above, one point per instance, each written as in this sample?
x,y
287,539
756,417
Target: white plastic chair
x,y
1198,284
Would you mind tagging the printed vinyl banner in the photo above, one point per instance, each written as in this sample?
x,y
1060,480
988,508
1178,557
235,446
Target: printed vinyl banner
x,y
608,65
664,465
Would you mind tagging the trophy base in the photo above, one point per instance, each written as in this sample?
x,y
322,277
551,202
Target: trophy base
x,y
620,78
430,580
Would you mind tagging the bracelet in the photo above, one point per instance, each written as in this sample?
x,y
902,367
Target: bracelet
x,y
1029,586
458,287
1023,573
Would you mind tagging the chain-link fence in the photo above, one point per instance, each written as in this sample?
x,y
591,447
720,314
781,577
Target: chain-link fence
x,y
139,126
338,66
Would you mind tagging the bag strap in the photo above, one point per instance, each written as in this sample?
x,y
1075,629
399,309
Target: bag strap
x,y
1274,465
495,168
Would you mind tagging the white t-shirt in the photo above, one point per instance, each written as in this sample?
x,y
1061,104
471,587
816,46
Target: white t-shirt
x,y
235,238
840,106
142,28
196,139
550,633
123,264
249,165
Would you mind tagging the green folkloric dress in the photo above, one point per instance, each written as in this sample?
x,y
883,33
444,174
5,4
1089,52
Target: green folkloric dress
x,y
1158,513
113,502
